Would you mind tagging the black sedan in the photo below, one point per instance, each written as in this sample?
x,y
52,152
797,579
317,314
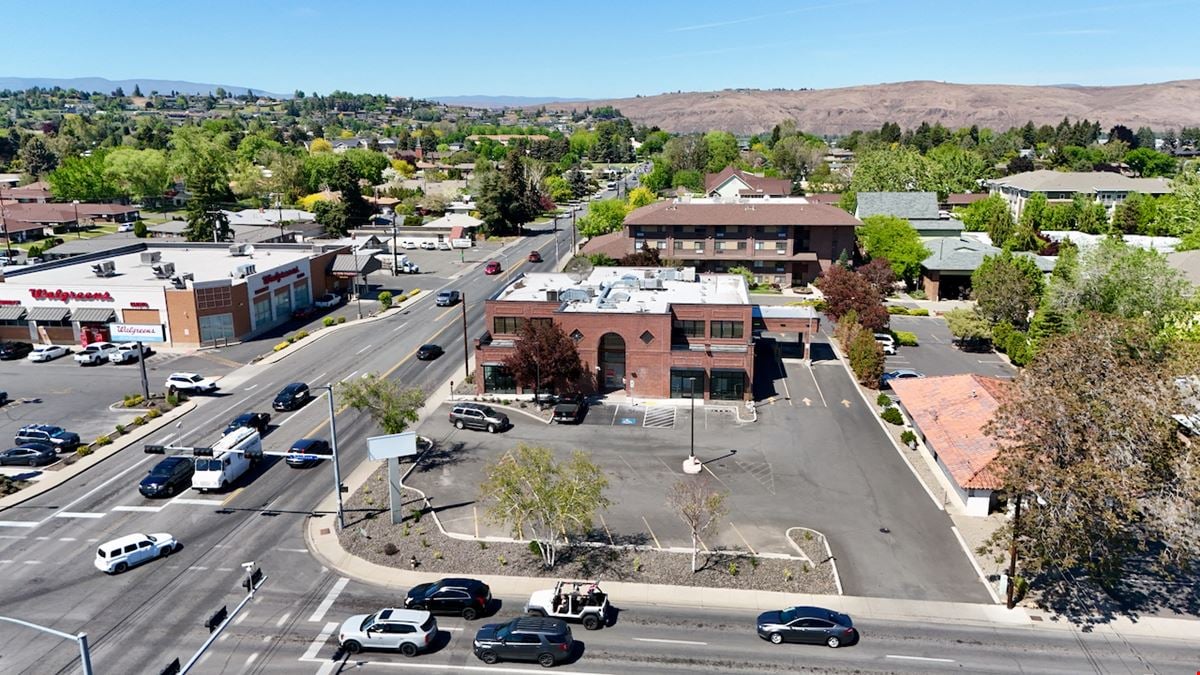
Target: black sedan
x,y
291,397
307,452
254,420
810,625
14,350
169,477
429,352
30,454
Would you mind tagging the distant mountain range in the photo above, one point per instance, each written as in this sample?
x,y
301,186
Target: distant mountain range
x,y
147,85
1161,106
481,101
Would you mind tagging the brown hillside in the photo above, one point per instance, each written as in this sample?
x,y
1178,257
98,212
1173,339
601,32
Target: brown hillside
x,y
1162,106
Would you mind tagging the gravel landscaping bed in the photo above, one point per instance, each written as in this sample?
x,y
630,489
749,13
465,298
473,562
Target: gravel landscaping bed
x,y
369,534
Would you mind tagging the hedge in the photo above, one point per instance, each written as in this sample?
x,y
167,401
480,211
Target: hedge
x,y
892,415
906,339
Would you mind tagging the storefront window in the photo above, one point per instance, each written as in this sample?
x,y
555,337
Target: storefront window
x,y
728,385
681,385
216,327
283,304
303,299
262,311
498,380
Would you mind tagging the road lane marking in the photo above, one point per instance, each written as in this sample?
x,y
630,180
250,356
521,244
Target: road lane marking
x,y
224,569
914,658
348,376
79,514
241,617
12,536
231,496
196,502
146,509
441,316
318,378
198,568
362,350
289,418
397,328
42,538
250,387
33,562
328,666
670,642
330,597
316,645
293,550
102,485
7,562
283,619
67,539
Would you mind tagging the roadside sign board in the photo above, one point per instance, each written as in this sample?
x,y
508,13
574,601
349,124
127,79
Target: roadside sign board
x,y
135,332
395,445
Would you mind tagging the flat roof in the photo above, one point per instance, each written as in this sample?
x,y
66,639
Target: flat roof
x,y
628,290
205,263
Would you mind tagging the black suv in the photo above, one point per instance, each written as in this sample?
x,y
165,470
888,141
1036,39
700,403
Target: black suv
x,y
14,350
467,598
570,408
527,638
291,397
254,420
61,439
169,477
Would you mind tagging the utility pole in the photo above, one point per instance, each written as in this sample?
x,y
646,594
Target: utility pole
x,y
466,348
337,472
1010,599
142,365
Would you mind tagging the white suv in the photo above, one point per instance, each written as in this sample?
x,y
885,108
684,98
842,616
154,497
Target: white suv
x,y
118,555
190,382
408,630
95,353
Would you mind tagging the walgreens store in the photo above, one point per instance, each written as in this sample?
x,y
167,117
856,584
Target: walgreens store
x,y
194,294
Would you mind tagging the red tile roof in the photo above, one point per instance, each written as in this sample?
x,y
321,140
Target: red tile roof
x,y
754,212
615,245
775,187
951,413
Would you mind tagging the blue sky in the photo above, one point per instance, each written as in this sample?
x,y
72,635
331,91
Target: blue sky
x,y
611,48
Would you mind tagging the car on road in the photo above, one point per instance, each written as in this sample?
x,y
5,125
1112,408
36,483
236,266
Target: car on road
x,y
408,244
478,416
447,298
95,353
42,353
404,630
293,396
118,555
429,352
128,353
535,257
308,452
169,477
570,408
492,268
328,300
190,383
428,245
29,454
809,625
528,638
885,381
581,601
53,436
468,598
254,420
10,350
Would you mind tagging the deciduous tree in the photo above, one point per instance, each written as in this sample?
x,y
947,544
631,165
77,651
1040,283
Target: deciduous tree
x,y
602,217
391,407
1121,280
544,356
866,358
36,157
83,179
1150,162
879,272
1007,287
896,240
700,506
847,291
140,174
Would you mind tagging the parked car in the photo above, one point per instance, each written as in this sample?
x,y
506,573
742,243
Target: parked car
x,y
3,397
570,408
900,374
124,227
535,257
408,244
14,350
493,267
169,477
128,353
447,298
428,245
303,312
581,601
255,420
56,437
293,396
403,630
118,555
810,625
95,353
29,454
328,300
478,416
308,452
429,352
527,638
468,598
444,245
42,353
888,343
190,383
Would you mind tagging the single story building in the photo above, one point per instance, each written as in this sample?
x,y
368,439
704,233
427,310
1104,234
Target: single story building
x,y
946,273
920,209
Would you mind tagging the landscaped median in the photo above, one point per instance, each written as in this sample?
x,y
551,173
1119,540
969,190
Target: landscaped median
x,y
387,301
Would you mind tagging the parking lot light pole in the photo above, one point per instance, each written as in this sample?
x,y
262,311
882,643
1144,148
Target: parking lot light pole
x,y
691,465
85,653
337,472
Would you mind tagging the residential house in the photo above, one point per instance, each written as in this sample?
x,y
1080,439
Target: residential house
x,y
920,209
34,193
1101,187
505,139
732,182
960,199
946,273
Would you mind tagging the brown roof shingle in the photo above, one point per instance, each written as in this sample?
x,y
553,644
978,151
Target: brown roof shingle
x,y
747,213
615,245
775,187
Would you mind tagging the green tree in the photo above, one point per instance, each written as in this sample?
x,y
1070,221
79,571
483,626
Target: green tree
x,y
559,189
990,215
36,157
956,169
866,359
686,153
896,240
548,501
83,179
602,217
1090,216
140,174
368,165
968,325
332,216
1149,162
140,230
391,407
1007,287
346,182
700,506
204,160
1178,213
722,150
1135,214
1126,281
639,197
797,156
893,170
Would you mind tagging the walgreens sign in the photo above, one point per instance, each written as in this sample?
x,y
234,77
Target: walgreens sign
x,y
67,296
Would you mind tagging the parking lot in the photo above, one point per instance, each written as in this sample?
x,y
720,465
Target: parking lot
x,y
937,355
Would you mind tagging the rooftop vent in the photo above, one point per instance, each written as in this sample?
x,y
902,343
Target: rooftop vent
x,y
107,268
243,271
163,270
240,249
150,257
180,281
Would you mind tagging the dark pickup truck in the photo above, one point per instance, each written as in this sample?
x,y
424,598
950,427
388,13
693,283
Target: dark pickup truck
x,y
570,408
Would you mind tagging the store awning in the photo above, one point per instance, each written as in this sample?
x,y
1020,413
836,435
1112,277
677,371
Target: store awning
x,y
94,315
47,313
347,265
12,313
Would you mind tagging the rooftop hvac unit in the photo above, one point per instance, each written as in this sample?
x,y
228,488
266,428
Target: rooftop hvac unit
x,y
654,284
151,257
239,249
180,281
163,270
242,271
105,269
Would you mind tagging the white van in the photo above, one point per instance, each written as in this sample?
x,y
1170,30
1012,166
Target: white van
x,y
229,460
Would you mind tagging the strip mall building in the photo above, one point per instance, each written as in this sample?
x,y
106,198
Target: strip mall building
x,y
194,293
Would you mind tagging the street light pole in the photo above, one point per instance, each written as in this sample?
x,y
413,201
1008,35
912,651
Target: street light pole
x,y
85,653
337,471
78,229
395,258
691,465
466,350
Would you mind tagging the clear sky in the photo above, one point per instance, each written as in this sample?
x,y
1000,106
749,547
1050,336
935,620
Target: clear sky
x,y
609,48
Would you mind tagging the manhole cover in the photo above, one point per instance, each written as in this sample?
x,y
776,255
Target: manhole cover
x,y
323,530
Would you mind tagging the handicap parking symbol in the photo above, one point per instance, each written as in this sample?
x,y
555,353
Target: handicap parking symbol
x,y
629,421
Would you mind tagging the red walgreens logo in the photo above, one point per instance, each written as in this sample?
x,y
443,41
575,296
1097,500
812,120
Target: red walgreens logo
x,y
276,276
64,296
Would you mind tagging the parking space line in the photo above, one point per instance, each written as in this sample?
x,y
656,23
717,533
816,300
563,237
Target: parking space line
x,y
818,384
651,530
317,643
79,514
739,534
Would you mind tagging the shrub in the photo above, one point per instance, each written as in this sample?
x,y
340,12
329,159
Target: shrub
x,y
1000,335
637,564
482,545
906,339
120,429
437,555
83,450
139,420
754,562
917,294
385,300
140,230
908,437
1019,348
291,339
281,346
920,311
415,514
329,321
301,335
153,413
413,293
502,560
406,531
788,574
891,415
866,359
424,542
102,440
390,549
733,569
883,400
535,549
341,319
897,309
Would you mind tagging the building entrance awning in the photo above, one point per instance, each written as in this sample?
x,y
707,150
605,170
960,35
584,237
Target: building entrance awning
x,y
48,313
12,313
94,315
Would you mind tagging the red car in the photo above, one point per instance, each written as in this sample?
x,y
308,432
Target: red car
x,y
493,267
535,257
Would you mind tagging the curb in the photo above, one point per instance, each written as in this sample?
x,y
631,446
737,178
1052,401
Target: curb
x,y
275,357
85,463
